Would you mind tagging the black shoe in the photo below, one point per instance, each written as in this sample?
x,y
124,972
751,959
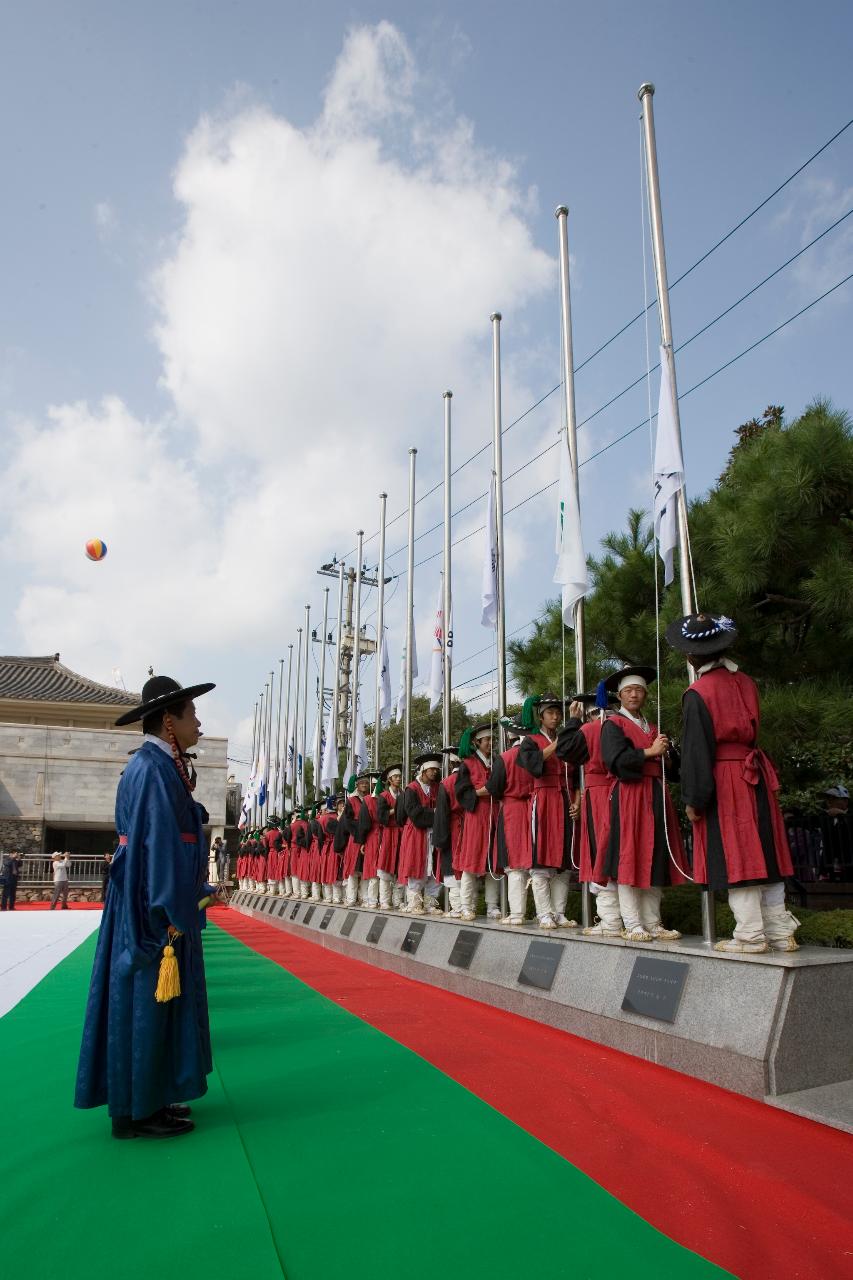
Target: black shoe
x,y
178,1111
160,1125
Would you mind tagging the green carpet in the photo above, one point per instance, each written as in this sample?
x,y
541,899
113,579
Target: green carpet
x,y
323,1150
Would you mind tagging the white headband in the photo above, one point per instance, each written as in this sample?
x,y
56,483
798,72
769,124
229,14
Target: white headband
x,y
628,680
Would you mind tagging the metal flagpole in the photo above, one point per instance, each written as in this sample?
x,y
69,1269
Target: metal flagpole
x,y
646,94
254,755
294,797
447,634
497,453
356,654
410,605
335,726
497,463
264,808
562,216
255,806
268,768
278,732
380,626
318,752
303,791
286,739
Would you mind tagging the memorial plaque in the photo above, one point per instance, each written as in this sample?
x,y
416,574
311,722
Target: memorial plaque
x,y
467,942
308,914
412,940
269,906
655,988
327,918
540,965
349,921
295,912
374,933
280,907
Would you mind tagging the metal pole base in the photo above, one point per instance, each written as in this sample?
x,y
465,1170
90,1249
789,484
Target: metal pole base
x,y
709,921
586,906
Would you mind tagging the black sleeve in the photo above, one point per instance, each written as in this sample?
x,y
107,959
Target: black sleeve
x,y
383,813
342,831
698,753
400,814
420,814
441,825
363,824
620,758
496,781
331,827
572,746
466,792
530,757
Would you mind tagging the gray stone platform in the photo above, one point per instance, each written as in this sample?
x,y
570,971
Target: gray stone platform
x,y
771,1026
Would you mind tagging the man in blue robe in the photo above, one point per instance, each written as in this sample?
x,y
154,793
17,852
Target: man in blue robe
x,y
138,1056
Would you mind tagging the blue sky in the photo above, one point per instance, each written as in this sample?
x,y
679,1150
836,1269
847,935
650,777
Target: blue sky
x,y
246,251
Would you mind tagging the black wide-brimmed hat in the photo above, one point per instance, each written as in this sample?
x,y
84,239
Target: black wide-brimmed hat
x,y
432,758
158,694
702,633
592,699
646,674
392,768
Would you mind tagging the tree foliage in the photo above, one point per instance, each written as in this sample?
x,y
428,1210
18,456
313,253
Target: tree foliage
x,y
772,547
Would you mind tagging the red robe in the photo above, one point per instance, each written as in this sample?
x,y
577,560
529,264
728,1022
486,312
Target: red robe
x,y
581,744
740,838
315,836
550,824
369,835
298,852
419,808
513,787
284,864
636,852
330,869
478,823
389,844
447,827
353,848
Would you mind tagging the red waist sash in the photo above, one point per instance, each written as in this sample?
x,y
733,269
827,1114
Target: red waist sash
x,y
597,780
652,769
755,762
547,784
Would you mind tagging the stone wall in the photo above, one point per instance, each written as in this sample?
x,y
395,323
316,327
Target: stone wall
x,y
67,777
19,834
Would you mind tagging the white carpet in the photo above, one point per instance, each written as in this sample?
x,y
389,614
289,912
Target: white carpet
x,y
32,942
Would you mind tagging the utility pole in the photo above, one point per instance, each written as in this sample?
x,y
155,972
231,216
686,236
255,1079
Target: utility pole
x,y
347,645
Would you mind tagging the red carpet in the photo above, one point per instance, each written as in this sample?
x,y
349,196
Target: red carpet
x,y
758,1191
72,906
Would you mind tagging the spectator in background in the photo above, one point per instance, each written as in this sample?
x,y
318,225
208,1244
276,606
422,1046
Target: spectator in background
x,y
105,875
220,853
9,873
61,869
836,833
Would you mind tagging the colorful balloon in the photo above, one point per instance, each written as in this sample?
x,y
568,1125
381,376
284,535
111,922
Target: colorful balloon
x,y
96,549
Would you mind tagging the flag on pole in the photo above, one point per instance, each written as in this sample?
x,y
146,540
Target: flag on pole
x,y
401,696
262,778
570,570
329,767
669,466
436,674
489,615
359,758
384,681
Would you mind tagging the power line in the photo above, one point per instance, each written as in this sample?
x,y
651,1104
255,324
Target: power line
x,y
628,324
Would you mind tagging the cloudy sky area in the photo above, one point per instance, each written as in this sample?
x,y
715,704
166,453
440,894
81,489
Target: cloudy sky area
x,y
245,250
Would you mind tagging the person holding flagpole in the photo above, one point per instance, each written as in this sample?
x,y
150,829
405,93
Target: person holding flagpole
x,y
551,825
389,847
417,868
512,787
368,835
644,850
472,793
447,833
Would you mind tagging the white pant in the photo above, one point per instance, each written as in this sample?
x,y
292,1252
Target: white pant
x,y
760,913
297,886
517,885
327,893
370,889
398,895
550,891
338,893
351,889
386,888
640,908
315,890
454,892
607,906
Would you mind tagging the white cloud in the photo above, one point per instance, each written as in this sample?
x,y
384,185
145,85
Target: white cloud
x,y
106,220
325,285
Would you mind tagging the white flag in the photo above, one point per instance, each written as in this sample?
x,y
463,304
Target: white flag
x,y
359,759
489,615
436,672
570,571
384,681
329,768
669,466
401,696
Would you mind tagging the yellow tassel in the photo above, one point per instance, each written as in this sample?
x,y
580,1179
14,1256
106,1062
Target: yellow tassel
x,y
169,978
